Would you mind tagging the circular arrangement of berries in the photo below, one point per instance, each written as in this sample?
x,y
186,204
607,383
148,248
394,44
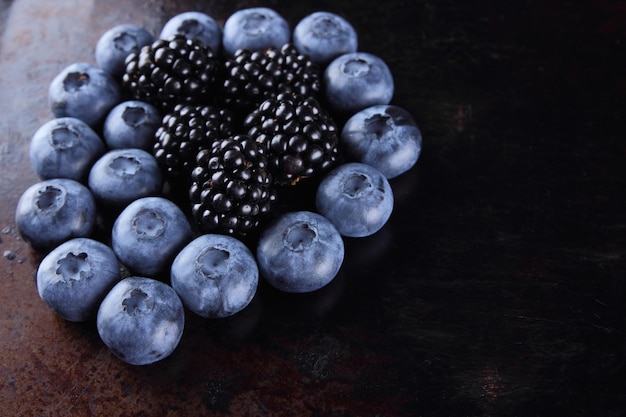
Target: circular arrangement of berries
x,y
164,170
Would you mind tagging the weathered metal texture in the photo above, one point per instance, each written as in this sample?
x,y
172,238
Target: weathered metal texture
x,y
496,288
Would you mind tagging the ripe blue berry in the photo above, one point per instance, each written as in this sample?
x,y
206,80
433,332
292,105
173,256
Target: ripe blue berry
x,y
141,320
255,29
121,176
194,25
131,124
148,233
65,148
357,80
215,275
53,211
385,137
324,36
117,43
83,91
75,276
356,198
300,252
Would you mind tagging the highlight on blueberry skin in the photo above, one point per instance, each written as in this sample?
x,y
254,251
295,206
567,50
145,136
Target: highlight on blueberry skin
x,y
131,124
255,29
300,252
148,233
356,198
215,275
52,211
74,278
83,91
141,320
324,36
385,137
194,25
357,80
117,43
121,176
65,148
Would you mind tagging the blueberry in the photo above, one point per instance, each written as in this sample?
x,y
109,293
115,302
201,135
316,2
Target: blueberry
x,y
148,233
300,252
324,36
117,43
141,320
52,211
121,176
65,148
83,91
131,124
356,198
215,275
357,80
255,29
194,25
75,276
385,137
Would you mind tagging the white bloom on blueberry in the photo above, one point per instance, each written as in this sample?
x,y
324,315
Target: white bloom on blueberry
x,y
141,320
65,147
121,176
148,233
215,275
194,25
117,43
300,252
324,36
383,136
75,276
53,211
255,29
356,198
131,124
83,91
357,80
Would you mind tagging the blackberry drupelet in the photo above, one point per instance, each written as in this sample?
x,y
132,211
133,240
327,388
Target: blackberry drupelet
x,y
231,190
172,71
251,77
184,132
300,136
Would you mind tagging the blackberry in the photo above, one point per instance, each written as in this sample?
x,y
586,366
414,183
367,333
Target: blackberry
x,y
251,77
171,71
231,189
184,132
300,136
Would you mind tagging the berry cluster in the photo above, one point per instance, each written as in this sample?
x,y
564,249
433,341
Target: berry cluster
x,y
185,142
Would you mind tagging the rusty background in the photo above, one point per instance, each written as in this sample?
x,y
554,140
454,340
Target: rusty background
x,y
497,288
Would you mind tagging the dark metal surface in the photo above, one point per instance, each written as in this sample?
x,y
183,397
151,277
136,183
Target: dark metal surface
x,y
497,288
